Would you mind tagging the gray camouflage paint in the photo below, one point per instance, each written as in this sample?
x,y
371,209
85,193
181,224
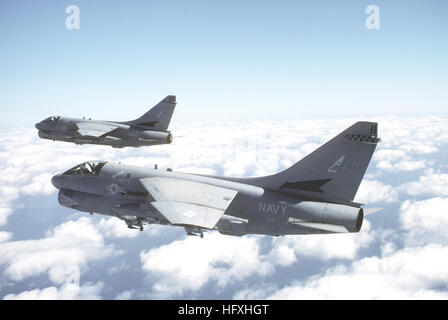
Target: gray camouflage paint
x,y
315,195
150,129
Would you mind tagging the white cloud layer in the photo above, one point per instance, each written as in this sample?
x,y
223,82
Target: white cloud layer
x,y
189,264
329,246
397,160
432,183
425,221
69,291
4,236
408,172
115,228
399,275
62,254
372,191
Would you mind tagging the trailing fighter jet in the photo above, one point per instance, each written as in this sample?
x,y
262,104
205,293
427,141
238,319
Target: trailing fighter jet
x,y
150,129
315,195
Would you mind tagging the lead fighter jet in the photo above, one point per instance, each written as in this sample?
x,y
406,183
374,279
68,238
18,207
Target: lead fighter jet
x,y
150,129
315,195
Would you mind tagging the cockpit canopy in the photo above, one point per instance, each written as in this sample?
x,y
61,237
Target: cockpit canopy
x,y
90,168
52,119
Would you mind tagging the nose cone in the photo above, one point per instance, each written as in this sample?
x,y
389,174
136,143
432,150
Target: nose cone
x,y
38,125
56,181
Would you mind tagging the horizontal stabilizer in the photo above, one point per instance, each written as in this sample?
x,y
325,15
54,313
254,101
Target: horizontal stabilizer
x,y
178,213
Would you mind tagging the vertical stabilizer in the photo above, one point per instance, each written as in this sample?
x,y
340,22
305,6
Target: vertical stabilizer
x,y
334,170
159,117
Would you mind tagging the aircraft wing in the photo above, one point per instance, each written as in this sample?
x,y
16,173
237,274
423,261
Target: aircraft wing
x,y
184,202
189,214
94,129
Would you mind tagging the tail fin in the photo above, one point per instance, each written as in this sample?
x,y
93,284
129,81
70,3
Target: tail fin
x,y
159,117
332,172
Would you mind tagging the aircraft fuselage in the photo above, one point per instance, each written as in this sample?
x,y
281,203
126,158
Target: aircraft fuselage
x,y
115,190
123,135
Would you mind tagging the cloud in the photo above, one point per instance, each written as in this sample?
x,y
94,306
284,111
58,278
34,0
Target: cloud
x,y
188,264
411,273
125,295
40,184
67,249
372,191
432,183
256,292
192,267
283,255
426,220
397,160
413,135
4,236
407,143
421,147
115,228
68,291
4,213
328,246
7,196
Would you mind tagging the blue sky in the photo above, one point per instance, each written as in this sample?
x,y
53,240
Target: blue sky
x,y
223,59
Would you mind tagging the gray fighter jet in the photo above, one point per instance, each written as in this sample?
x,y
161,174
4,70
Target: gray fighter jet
x,y
315,195
150,129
